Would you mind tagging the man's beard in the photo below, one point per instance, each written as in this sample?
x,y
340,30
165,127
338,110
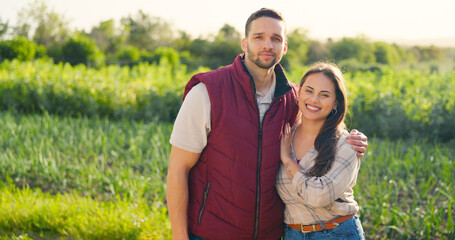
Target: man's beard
x,y
255,59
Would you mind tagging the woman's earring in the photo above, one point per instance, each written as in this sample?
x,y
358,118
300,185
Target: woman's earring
x,y
334,111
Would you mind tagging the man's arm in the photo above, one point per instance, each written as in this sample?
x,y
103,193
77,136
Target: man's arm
x,y
180,164
359,142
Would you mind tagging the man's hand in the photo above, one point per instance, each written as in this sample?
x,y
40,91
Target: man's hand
x,y
359,142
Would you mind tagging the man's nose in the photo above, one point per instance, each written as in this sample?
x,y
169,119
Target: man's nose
x,y
268,43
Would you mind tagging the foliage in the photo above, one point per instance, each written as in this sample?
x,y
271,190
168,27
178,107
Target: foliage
x,y
42,24
86,178
147,32
405,190
317,51
298,46
32,213
20,48
403,104
383,102
82,50
128,55
4,27
428,53
356,48
108,38
145,91
94,156
163,55
213,53
385,53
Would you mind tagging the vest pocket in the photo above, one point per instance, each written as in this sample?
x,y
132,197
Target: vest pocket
x,y
204,201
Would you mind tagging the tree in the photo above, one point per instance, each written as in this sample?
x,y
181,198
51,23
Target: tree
x,y
18,48
228,33
223,49
4,26
298,43
128,55
317,51
146,32
107,37
358,48
385,53
42,24
82,50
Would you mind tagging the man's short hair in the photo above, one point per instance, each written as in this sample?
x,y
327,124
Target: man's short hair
x,y
263,12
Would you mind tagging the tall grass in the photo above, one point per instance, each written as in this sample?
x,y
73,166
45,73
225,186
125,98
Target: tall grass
x,y
37,215
97,157
406,190
84,174
384,103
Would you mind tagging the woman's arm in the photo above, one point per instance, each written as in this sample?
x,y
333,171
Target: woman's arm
x,y
324,190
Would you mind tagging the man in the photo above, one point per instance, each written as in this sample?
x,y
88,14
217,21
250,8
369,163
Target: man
x,y
226,142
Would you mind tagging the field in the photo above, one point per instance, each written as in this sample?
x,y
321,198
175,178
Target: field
x,y
75,165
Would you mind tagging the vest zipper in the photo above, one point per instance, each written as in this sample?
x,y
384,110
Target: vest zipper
x,y
204,201
258,172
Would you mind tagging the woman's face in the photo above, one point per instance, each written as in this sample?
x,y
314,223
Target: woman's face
x,y
317,97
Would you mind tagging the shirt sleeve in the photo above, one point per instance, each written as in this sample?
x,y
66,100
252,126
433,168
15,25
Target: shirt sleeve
x,y
192,124
324,190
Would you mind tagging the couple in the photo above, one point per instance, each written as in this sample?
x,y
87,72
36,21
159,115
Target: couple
x,y
225,178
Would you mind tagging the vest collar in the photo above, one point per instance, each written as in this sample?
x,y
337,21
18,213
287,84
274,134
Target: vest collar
x,y
282,84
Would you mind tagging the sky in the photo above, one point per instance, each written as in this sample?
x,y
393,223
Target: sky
x,y
401,21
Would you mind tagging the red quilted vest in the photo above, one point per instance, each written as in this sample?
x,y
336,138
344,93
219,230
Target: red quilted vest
x,y
232,191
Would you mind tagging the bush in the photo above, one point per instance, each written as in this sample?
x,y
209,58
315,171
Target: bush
x,y
19,48
82,50
128,55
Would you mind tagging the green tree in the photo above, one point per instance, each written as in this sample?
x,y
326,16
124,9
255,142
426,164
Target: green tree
x,y
298,43
82,50
42,24
146,32
183,41
223,49
358,48
107,37
18,48
317,51
428,53
128,55
385,53
4,27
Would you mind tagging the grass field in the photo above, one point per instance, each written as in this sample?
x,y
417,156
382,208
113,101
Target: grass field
x,y
94,178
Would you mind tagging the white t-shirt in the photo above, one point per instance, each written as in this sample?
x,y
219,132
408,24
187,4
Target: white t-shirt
x,y
192,124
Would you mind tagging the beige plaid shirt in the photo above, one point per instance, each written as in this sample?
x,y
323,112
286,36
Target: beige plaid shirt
x,y
310,200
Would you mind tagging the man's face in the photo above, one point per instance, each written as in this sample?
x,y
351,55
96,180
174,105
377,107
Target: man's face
x,y
265,44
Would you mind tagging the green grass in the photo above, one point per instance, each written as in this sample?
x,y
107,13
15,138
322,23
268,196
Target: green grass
x,y
97,157
406,190
71,216
94,178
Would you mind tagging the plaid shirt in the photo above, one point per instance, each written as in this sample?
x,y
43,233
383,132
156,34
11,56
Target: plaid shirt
x,y
311,200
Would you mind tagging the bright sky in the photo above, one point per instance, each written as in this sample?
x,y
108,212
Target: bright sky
x,y
414,21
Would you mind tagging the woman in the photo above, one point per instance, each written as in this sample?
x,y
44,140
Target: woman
x,y
318,167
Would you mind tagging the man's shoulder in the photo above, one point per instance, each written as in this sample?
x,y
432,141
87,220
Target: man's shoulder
x,y
213,74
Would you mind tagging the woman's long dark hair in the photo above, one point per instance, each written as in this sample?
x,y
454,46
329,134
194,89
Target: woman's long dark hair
x,y
328,136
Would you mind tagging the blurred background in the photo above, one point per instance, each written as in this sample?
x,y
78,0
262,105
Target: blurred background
x,y
89,91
